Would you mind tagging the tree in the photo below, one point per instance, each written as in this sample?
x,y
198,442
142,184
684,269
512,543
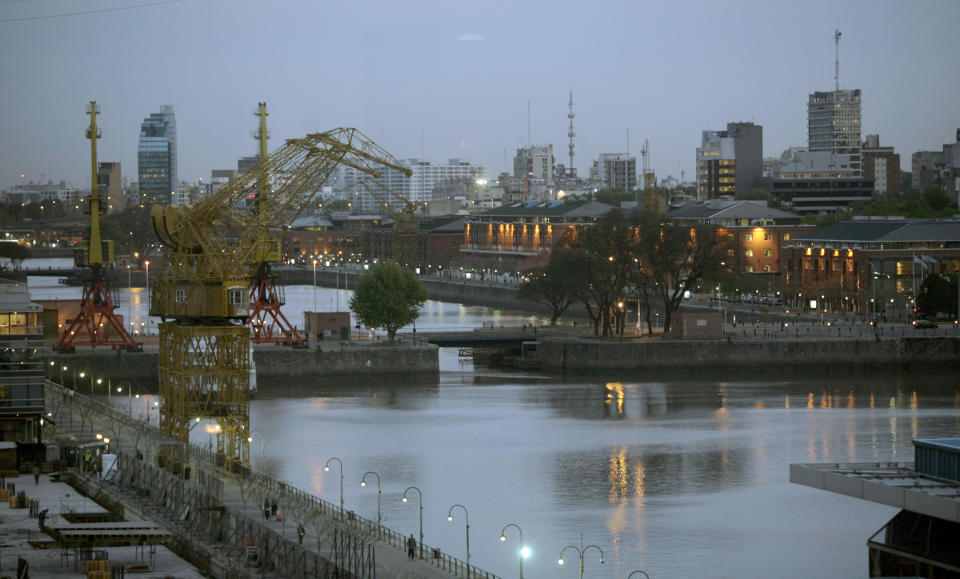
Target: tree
x,y
677,257
388,297
554,285
131,231
937,295
15,252
931,203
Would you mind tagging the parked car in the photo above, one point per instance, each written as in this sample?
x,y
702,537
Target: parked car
x,y
924,324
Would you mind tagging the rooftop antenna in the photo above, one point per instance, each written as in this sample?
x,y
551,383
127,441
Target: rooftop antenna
x,y
529,139
836,58
628,142
570,134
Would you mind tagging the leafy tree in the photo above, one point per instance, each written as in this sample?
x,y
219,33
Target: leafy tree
x,y
15,252
388,297
928,204
677,257
554,285
130,229
938,294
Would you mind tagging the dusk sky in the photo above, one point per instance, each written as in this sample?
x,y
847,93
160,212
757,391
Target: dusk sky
x,y
452,79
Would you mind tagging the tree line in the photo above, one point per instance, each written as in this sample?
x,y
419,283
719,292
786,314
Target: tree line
x,y
639,256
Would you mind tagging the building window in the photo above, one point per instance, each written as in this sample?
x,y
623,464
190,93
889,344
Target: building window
x,y
730,252
767,236
767,268
767,252
749,269
236,297
180,295
786,237
749,253
749,237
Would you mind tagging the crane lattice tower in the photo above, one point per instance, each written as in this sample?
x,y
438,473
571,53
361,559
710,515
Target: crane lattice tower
x,y
96,324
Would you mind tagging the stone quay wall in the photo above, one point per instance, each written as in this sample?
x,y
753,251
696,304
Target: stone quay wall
x,y
582,355
275,365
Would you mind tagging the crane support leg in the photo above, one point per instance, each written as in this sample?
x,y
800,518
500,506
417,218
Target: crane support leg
x,y
267,321
96,324
204,375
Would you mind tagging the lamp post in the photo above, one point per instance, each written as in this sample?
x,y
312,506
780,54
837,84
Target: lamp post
x,y
580,552
363,483
99,382
466,517
314,285
262,440
644,573
326,467
146,263
524,552
420,498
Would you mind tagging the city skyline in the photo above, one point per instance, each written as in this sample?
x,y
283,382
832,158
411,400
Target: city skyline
x,y
439,82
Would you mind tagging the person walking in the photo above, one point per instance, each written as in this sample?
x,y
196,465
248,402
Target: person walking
x,y
273,510
36,474
411,547
266,509
300,533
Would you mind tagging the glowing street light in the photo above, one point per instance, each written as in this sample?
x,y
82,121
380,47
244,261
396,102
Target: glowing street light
x,y
420,498
363,483
326,467
466,517
524,551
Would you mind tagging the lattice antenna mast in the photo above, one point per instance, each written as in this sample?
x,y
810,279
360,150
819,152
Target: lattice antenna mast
x,y
571,133
836,58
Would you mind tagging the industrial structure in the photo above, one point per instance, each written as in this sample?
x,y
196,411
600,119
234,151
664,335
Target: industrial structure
x,y
267,322
97,324
202,295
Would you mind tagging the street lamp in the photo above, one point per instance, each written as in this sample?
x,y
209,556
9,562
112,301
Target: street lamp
x,y
420,498
644,573
466,517
99,382
147,264
363,483
524,551
580,552
314,285
326,467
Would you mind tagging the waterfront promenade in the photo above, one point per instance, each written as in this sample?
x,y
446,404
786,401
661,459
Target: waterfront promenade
x,y
215,515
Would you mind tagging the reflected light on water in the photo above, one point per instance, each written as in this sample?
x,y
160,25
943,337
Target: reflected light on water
x,y
786,402
617,476
615,389
316,479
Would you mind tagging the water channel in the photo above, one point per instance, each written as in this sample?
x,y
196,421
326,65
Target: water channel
x,y
680,477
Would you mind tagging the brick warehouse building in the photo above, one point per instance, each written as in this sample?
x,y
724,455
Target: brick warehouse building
x,y
869,265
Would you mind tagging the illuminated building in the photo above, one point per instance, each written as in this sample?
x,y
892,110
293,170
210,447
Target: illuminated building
x,y
730,161
833,126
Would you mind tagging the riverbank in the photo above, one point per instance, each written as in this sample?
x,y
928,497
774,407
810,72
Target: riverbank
x,y
322,362
643,356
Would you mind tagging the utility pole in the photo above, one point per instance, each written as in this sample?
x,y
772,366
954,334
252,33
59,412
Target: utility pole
x,y
570,133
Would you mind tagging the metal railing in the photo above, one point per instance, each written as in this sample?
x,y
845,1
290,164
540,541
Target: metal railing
x,y
269,485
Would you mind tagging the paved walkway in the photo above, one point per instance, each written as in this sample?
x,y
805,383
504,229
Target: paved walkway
x,y
391,560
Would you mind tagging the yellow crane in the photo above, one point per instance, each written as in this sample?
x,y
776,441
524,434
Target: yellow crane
x,y
96,324
202,294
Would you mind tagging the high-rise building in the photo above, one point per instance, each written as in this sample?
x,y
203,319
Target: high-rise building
x,y
417,188
730,161
534,163
833,125
157,158
939,169
110,184
616,171
881,165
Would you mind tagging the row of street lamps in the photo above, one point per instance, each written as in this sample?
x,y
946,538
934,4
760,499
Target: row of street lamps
x,y
131,394
524,550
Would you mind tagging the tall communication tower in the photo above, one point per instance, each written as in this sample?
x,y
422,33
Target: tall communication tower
x,y
96,324
650,201
570,133
836,59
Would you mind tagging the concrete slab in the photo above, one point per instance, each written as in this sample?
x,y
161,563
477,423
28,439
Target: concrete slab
x,y
18,529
